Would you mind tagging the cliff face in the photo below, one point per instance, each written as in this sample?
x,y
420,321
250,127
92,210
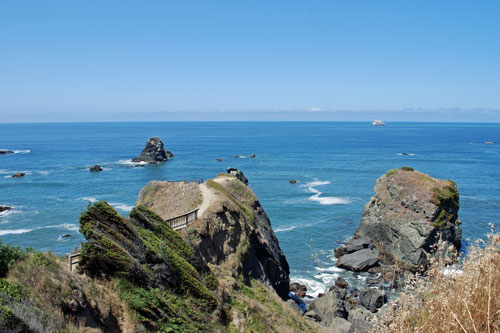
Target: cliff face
x,y
409,213
232,234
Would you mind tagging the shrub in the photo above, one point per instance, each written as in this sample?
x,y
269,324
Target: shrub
x,y
407,168
8,256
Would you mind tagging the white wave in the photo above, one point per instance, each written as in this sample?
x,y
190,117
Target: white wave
x,y
67,226
324,200
122,207
284,229
329,269
314,287
21,151
129,162
43,173
14,231
327,278
91,199
406,154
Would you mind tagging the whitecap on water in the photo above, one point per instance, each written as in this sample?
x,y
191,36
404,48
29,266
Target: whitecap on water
x,y
324,200
129,162
314,287
121,206
284,229
14,231
91,199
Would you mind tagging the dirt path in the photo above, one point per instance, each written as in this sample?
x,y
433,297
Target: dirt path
x,y
208,198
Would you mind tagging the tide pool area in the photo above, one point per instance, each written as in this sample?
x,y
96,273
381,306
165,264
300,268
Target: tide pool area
x,y
335,166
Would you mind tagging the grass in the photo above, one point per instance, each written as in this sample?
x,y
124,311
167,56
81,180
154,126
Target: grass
x,y
467,300
246,211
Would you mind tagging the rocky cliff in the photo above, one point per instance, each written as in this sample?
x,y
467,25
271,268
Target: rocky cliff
x,y
153,152
409,214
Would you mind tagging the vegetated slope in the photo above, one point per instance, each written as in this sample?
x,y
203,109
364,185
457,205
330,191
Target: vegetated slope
x,y
137,274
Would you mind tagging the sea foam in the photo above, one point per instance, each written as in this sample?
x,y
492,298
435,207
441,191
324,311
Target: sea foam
x,y
324,200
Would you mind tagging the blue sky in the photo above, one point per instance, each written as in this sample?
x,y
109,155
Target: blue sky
x,y
270,60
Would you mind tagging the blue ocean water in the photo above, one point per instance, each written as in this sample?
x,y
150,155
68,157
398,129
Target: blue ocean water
x,y
335,164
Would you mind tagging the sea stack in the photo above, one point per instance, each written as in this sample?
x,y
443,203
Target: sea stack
x,y
3,152
408,216
154,152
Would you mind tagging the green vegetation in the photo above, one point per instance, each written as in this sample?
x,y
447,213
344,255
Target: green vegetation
x,y
447,200
8,256
391,172
246,211
407,168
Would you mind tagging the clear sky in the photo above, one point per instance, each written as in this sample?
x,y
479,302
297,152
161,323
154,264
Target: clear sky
x,y
270,60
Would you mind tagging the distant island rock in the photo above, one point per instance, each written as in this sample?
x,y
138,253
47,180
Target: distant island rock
x,y
3,152
18,175
154,152
95,168
378,123
218,159
292,181
252,155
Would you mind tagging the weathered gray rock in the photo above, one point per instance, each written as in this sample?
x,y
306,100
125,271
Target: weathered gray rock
x,y
359,261
330,305
372,298
154,152
238,174
18,175
292,304
359,313
353,245
340,325
95,168
341,283
409,213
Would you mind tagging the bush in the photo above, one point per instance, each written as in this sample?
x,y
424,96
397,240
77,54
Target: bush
x,y
8,256
407,168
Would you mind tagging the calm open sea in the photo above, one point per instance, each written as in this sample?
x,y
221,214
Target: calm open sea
x,y
335,165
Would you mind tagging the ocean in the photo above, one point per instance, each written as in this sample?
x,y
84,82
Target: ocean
x,y
335,165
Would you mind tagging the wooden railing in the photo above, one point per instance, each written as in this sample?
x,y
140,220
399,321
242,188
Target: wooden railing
x,y
197,181
74,259
183,220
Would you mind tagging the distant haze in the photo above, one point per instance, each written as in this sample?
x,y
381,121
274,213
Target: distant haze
x,y
249,60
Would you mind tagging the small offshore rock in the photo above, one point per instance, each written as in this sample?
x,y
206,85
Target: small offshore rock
x,y
66,236
292,181
238,156
218,159
153,152
95,168
252,155
238,174
2,152
4,208
18,175
488,143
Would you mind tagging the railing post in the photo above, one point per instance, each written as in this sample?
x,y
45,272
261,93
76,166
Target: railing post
x,y
70,267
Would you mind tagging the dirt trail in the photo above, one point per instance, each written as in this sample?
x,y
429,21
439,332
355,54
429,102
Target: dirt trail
x,y
208,198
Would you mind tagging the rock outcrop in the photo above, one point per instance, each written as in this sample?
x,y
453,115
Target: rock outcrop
x,y
154,152
4,208
232,231
409,214
95,168
3,152
18,175
238,174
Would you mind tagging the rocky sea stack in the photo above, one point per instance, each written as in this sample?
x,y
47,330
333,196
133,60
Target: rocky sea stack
x,y
154,152
410,215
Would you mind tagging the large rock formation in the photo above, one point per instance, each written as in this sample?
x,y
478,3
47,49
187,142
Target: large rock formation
x,y
409,214
154,152
232,233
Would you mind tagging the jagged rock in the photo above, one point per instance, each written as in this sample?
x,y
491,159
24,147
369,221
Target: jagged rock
x,y
353,245
18,175
95,168
330,305
359,261
313,315
238,174
4,208
66,236
292,304
252,155
409,213
292,181
2,152
218,159
341,283
372,298
154,152
299,289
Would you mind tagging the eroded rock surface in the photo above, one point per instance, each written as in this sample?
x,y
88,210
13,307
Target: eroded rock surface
x,y
154,152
